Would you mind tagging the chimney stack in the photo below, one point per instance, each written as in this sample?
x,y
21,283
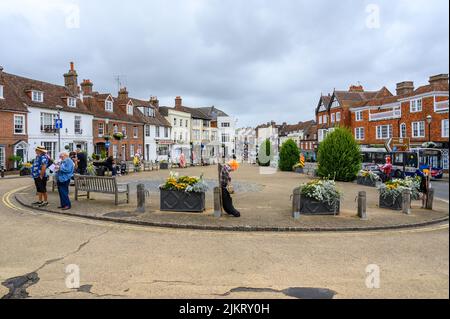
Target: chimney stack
x,y
86,87
123,94
405,87
154,102
356,88
440,79
71,80
178,103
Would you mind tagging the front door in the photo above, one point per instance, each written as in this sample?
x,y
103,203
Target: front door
x,y
124,153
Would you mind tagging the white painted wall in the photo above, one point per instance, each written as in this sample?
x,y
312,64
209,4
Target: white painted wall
x,y
36,137
229,146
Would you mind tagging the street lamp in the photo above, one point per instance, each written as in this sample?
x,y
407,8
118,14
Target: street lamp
x,y
429,118
59,108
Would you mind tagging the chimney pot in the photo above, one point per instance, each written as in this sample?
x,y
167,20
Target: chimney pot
x,y
356,88
71,80
86,87
178,102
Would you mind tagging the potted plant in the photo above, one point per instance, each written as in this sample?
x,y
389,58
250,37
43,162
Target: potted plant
x,y
163,164
118,136
298,168
319,197
106,137
367,178
391,194
183,194
25,169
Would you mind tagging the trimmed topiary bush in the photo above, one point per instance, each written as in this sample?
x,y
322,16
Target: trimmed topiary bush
x,y
339,156
265,153
289,155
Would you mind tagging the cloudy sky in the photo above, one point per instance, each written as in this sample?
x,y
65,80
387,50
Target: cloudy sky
x,y
259,60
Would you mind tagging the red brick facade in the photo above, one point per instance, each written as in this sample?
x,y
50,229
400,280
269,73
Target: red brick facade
x,y
8,137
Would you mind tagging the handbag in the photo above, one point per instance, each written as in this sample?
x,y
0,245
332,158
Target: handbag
x,y
230,188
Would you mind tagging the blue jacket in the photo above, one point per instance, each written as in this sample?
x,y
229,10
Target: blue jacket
x,y
65,172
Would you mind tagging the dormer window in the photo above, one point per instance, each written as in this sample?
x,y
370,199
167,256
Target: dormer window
x,y
130,109
71,102
1,91
37,96
108,106
149,112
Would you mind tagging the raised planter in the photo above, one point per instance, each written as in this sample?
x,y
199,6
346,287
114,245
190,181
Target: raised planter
x,y
310,206
391,202
163,165
366,181
181,201
299,170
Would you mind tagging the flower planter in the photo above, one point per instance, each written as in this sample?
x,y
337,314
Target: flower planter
x,y
181,201
163,165
299,170
366,181
25,172
391,202
310,206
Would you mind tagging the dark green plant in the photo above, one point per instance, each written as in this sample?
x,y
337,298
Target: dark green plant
x,y
289,155
265,153
339,156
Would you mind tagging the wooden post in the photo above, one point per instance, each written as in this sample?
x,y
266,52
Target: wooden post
x,y
406,202
362,204
140,198
217,202
430,198
296,198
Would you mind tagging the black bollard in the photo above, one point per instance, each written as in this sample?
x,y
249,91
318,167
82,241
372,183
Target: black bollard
x,y
362,204
141,193
406,202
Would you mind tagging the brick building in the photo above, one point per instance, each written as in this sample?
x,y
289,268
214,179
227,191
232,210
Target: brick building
x,y
13,114
417,114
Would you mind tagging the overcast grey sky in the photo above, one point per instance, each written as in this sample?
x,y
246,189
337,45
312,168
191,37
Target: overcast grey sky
x,y
259,60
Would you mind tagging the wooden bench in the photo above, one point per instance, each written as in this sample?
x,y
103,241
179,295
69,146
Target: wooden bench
x,y
100,184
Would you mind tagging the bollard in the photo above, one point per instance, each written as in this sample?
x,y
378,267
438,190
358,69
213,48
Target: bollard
x,y
217,208
2,172
430,198
362,204
296,198
141,193
406,202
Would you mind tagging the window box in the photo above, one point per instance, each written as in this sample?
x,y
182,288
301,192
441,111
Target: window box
x,y
391,201
366,181
181,201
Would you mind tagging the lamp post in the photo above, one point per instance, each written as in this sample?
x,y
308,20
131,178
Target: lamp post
x,y
59,107
429,118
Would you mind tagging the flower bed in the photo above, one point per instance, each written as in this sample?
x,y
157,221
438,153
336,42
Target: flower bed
x,y
391,193
183,194
367,178
319,197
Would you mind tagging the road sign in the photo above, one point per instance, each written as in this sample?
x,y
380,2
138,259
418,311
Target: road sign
x,y
107,144
58,124
396,144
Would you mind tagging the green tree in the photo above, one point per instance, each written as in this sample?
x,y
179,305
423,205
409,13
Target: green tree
x,y
289,155
339,156
265,153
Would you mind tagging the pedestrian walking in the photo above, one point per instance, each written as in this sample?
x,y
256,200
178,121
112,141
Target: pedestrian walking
x,y
227,188
82,162
63,175
40,176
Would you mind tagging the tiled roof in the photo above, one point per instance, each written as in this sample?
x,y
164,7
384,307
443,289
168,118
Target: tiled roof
x,y
16,95
158,120
212,111
196,113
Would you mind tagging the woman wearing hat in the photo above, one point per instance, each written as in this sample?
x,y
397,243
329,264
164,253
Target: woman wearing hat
x,y
39,174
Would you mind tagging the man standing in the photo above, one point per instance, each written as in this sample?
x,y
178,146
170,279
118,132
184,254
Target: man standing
x,y
225,184
82,162
39,174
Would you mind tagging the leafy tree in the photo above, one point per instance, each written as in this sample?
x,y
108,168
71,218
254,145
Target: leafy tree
x,y
289,155
339,156
265,153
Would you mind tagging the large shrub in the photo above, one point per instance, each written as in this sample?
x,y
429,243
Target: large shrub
x,y
265,153
339,156
289,155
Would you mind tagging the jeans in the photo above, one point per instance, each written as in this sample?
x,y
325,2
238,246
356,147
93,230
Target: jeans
x,y
63,190
227,203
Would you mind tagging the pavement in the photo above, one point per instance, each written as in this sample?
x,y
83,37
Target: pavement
x,y
264,202
126,261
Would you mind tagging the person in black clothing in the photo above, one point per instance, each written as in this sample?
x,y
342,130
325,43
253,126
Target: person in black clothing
x,y
110,164
227,201
82,162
